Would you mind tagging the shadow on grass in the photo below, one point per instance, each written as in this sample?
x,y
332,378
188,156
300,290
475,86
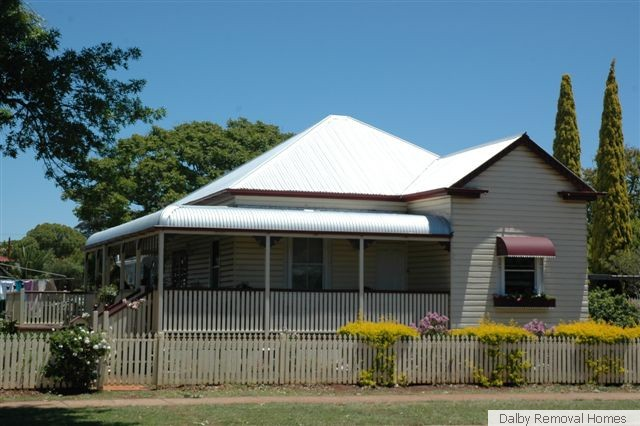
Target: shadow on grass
x,y
26,416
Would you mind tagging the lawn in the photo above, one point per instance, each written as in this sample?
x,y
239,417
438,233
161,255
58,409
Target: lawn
x,y
274,390
429,413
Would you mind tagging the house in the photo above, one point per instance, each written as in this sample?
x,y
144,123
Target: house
x,y
344,218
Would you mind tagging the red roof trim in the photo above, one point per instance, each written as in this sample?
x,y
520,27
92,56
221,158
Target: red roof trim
x,y
524,246
580,195
458,192
524,140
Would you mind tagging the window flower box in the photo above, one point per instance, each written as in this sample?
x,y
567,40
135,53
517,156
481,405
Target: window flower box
x,y
523,300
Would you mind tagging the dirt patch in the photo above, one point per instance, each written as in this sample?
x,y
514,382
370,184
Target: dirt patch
x,y
123,388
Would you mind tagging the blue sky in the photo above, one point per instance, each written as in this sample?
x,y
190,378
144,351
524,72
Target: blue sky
x,y
444,75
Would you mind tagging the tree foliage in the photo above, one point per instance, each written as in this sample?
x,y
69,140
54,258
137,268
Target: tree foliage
x,y
63,104
611,228
142,174
49,247
566,144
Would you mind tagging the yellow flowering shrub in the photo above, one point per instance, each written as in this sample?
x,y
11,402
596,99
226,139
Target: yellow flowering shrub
x,y
384,332
381,335
595,332
494,333
632,332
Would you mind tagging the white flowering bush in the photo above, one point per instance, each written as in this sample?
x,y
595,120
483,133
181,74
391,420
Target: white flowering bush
x,y
75,353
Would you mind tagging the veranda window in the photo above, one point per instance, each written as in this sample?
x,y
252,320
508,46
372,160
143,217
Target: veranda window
x,y
307,264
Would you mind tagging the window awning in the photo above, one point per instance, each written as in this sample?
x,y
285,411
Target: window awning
x,y
524,246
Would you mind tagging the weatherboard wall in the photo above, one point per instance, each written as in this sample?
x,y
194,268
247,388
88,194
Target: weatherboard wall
x,y
522,199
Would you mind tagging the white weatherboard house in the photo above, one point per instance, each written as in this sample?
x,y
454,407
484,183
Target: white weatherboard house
x,y
345,218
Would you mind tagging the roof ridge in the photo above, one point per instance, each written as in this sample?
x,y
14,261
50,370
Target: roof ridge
x,y
392,135
298,137
446,157
485,144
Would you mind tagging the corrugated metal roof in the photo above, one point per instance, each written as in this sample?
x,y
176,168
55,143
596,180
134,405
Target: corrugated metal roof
x,y
446,171
280,220
338,155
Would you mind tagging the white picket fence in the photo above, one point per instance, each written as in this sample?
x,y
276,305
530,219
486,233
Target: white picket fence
x,y
301,311
47,307
193,359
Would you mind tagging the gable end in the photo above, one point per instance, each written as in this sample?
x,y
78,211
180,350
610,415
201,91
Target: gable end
x,y
525,141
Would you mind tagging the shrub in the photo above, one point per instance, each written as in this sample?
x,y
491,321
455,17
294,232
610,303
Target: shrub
x,y
616,309
506,366
381,335
75,353
493,333
593,332
8,327
384,333
632,332
108,294
537,327
433,323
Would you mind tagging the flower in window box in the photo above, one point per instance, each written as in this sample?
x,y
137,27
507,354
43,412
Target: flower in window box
x,y
524,300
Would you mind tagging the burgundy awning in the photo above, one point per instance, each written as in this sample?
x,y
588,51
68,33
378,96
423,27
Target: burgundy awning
x,y
525,246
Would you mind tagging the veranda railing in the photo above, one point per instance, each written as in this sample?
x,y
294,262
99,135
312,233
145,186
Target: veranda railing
x,y
47,307
300,311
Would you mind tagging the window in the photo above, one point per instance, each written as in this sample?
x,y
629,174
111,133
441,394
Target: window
x,y
306,264
179,269
215,264
522,275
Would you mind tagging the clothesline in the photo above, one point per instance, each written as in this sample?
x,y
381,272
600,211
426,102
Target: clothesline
x,y
36,270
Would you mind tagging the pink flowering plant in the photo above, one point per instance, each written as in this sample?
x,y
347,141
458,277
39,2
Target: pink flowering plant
x,y
433,323
537,327
75,353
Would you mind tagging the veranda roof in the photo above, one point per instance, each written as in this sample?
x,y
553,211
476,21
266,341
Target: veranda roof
x,y
267,220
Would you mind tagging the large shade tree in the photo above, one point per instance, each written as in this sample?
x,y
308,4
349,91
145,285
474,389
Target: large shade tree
x,y
611,228
566,144
63,104
49,247
144,173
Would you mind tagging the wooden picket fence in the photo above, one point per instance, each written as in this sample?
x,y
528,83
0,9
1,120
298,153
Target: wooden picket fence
x,y
193,359
46,307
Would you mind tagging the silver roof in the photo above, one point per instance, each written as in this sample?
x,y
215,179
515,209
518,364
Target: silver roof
x,y
263,220
446,171
338,155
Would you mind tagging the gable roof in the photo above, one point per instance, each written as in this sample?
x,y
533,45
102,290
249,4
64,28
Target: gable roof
x,y
338,155
446,171
341,157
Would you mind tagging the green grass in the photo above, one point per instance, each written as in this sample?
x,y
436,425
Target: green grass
x,y
273,390
430,413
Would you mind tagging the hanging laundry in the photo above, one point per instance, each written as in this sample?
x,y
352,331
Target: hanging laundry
x,y
5,287
51,285
18,285
42,285
28,285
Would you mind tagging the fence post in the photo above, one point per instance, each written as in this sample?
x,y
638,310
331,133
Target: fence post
x,y
158,359
22,311
102,365
94,322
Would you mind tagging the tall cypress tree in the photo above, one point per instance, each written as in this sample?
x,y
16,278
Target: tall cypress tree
x,y
611,229
566,144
